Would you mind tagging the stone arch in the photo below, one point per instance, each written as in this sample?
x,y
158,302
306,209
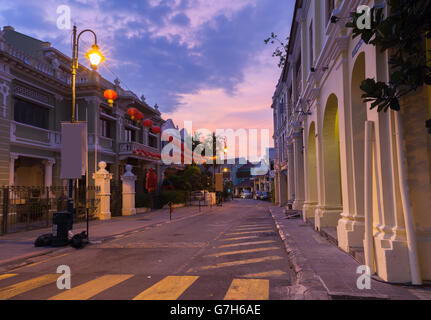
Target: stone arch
x,y
331,154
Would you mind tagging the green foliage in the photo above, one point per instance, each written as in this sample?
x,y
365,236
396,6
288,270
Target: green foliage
x,y
174,196
192,178
281,51
403,34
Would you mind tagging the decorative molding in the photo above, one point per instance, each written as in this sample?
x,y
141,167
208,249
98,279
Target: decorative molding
x,y
27,92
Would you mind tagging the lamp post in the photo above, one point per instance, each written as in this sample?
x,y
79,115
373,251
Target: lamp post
x,y
95,57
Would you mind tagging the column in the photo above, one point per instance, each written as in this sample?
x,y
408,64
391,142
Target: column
x,y
298,154
129,180
48,172
291,174
13,157
277,187
283,189
103,181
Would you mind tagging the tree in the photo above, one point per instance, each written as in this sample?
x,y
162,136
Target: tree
x,y
281,50
403,35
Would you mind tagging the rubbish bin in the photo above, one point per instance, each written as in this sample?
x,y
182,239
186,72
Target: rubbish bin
x,y
62,223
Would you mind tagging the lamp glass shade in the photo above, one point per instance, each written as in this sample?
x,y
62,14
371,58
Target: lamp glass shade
x,y
95,57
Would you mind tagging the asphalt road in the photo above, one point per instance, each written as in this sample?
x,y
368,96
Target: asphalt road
x,y
232,253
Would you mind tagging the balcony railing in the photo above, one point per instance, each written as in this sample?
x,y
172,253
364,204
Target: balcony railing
x,y
128,148
23,133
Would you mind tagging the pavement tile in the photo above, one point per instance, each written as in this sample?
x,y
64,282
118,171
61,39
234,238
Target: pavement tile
x,y
335,268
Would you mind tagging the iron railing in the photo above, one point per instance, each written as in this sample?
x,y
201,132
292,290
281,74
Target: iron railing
x,y
28,208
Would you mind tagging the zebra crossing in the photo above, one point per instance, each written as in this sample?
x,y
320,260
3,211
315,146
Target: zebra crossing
x,y
169,288
237,250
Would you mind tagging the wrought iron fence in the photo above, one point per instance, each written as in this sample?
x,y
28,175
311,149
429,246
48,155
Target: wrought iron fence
x,y
27,208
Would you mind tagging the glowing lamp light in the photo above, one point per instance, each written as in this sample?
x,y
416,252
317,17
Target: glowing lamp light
x,y
111,96
95,57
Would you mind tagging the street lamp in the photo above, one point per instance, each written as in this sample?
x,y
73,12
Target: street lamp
x,y
95,57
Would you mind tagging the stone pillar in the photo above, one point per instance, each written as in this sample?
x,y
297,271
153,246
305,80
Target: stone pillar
x,y
13,157
129,180
283,189
48,172
102,180
298,155
277,187
291,174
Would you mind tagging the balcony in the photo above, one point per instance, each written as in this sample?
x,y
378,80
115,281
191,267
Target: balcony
x,y
103,144
126,149
32,136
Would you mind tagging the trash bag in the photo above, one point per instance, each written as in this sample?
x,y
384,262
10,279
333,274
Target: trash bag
x,y
44,240
79,240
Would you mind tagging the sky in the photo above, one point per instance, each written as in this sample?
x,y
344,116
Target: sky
x,y
200,60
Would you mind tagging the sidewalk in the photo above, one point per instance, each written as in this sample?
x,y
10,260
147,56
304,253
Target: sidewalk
x,y
315,260
17,247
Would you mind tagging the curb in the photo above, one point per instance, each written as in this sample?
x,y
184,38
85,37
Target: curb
x,y
24,260
308,284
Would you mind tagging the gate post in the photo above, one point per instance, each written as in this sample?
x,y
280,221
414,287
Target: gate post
x,y
129,180
103,181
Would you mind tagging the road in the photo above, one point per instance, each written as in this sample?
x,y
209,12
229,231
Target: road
x,y
232,253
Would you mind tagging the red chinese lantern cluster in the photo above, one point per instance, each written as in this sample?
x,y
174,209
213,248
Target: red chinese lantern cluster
x,y
111,96
156,130
147,123
139,117
151,180
133,113
142,152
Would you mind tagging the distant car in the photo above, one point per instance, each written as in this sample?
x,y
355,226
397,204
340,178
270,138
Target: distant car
x,y
257,195
265,196
246,195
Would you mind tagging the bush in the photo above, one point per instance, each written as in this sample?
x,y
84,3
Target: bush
x,y
174,196
144,200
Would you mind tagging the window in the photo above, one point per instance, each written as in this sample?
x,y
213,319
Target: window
x,y
152,141
105,128
330,6
129,135
311,45
31,114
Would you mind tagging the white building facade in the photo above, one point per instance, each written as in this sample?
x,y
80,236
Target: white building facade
x,y
346,166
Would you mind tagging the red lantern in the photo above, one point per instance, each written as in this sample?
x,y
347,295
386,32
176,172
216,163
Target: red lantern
x,y
111,96
133,112
147,123
139,117
171,139
156,130
151,183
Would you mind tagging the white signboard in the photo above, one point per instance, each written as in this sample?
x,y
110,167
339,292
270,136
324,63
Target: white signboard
x,y
74,149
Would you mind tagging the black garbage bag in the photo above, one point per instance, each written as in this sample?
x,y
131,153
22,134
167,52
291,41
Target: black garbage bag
x,y
79,240
44,240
